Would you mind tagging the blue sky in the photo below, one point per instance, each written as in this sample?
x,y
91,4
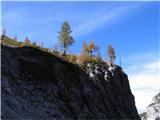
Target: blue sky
x,y
126,25
131,27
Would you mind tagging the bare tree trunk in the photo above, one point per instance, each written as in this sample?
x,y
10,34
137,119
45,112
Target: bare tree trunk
x,y
64,52
91,59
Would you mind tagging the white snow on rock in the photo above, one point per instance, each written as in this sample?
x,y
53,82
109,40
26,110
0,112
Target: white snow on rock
x,y
153,110
106,76
99,70
89,65
111,69
91,75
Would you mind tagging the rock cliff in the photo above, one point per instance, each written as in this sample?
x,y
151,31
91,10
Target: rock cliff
x,y
38,85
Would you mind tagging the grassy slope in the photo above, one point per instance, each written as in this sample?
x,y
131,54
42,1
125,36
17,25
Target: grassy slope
x,y
8,41
5,40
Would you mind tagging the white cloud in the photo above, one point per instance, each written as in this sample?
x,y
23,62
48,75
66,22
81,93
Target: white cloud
x,y
140,59
153,66
105,17
144,81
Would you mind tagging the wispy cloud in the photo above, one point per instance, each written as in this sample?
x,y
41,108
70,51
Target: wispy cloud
x,y
82,23
144,80
27,23
104,19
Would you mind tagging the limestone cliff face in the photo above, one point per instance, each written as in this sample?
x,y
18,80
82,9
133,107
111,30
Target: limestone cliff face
x,y
37,85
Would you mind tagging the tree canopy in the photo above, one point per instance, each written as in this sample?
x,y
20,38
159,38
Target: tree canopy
x,y
65,39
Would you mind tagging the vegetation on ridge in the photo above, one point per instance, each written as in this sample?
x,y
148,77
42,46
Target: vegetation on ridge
x,y
87,54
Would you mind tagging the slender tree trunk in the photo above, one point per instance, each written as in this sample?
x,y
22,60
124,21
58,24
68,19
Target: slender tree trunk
x,y
64,51
91,59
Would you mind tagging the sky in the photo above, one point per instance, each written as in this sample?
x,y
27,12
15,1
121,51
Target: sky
x,y
131,27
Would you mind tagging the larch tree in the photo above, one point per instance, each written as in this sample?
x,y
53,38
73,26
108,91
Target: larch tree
x,y
85,51
80,59
91,48
65,39
26,40
111,54
98,57
3,35
83,56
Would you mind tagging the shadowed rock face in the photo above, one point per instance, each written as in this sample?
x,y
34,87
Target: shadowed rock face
x,y
37,85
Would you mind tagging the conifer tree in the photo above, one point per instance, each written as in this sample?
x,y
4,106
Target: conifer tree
x,y
98,57
83,56
65,39
111,54
85,51
3,35
80,59
26,40
91,48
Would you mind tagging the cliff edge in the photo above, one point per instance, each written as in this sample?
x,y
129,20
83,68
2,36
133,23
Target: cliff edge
x,y
38,85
